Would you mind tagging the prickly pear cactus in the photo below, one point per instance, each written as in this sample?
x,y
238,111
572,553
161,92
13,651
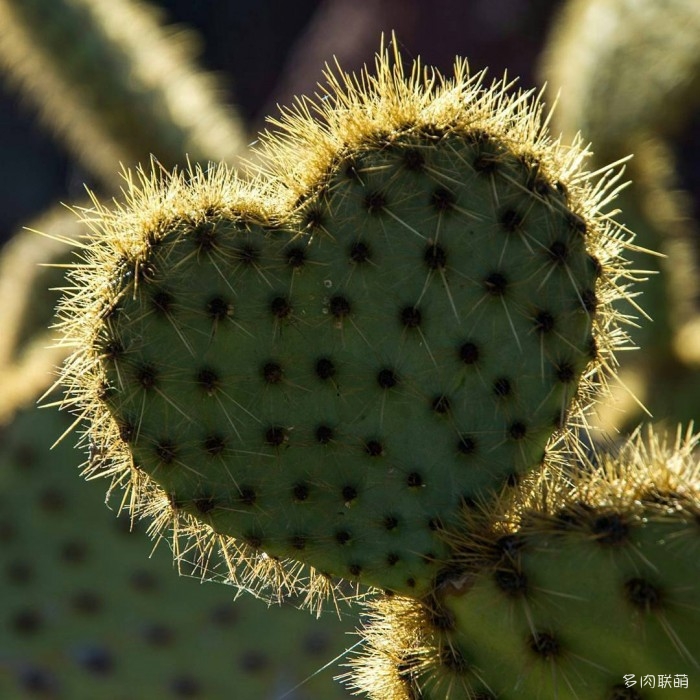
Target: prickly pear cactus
x,y
86,614
593,593
392,323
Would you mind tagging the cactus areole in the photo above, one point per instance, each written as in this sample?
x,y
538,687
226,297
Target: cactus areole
x,y
390,323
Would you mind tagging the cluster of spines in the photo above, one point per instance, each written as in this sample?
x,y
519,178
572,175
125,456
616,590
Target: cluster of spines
x,y
377,111
276,436
116,265
388,107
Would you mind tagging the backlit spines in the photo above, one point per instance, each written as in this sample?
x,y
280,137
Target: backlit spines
x,y
373,110
118,253
597,75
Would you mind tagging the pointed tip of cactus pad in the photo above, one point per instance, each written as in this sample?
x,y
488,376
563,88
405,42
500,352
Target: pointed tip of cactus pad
x,y
401,315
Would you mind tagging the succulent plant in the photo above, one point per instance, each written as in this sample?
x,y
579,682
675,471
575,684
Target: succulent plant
x,y
594,57
329,365
597,51
372,358
114,83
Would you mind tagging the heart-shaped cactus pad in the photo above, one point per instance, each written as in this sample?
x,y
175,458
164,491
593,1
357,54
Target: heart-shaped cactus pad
x,y
392,323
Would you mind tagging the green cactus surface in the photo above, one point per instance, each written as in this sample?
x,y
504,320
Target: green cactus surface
x,y
87,614
593,589
393,322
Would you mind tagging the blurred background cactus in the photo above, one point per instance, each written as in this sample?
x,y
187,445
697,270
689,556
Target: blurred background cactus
x,y
91,83
627,72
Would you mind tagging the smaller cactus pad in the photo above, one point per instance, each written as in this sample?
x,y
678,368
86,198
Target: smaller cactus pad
x,y
87,614
583,598
329,370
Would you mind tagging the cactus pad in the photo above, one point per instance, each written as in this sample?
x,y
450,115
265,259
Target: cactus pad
x,y
329,369
593,590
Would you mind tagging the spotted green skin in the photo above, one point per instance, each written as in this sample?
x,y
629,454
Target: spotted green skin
x,y
87,614
336,392
570,613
